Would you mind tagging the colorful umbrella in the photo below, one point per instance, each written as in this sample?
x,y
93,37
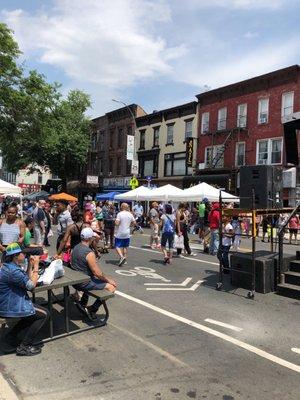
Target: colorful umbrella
x,y
63,196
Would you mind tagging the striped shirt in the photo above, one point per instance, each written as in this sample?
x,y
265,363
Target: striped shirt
x,y
9,233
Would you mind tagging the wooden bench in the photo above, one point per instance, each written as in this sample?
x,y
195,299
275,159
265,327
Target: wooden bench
x,y
103,296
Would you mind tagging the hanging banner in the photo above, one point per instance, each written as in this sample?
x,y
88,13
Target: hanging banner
x,y
135,167
189,151
130,147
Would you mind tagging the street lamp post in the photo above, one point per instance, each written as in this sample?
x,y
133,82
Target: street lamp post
x,y
134,123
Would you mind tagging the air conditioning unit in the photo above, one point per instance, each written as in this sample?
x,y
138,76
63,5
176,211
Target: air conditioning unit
x,y
201,166
263,118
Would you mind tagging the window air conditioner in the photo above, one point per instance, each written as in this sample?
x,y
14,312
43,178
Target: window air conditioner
x,y
263,119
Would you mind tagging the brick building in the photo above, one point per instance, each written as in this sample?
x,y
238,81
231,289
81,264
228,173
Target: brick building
x,y
107,154
242,124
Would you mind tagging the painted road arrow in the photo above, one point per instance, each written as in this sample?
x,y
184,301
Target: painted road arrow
x,y
175,286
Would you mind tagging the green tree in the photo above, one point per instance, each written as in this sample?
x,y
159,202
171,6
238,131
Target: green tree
x,y
37,125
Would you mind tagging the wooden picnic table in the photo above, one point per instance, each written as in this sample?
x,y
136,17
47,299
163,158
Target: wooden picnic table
x,y
70,278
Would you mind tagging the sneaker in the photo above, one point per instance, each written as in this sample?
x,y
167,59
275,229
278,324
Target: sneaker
x,y
28,350
125,262
192,255
180,255
81,307
122,261
91,314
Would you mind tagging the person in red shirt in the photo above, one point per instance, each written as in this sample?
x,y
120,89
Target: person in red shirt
x,y
214,220
294,225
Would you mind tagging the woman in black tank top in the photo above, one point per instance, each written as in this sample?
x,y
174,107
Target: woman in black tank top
x,y
72,234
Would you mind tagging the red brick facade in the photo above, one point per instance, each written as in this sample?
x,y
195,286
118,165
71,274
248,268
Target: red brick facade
x,y
271,86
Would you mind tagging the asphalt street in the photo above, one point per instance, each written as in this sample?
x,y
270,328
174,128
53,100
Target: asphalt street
x,y
171,335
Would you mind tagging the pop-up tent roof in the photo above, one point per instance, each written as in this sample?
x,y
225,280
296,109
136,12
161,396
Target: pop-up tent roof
x,y
9,189
163,193
106,196
204,190
135,194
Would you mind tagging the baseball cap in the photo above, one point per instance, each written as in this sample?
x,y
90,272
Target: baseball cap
x,y
87,233
13,248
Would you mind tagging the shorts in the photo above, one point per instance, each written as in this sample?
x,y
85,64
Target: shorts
x,y
201,223
293,231
167,238
122,242
93,284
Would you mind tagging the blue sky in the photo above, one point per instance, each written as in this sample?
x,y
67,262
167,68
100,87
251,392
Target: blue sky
x,y
156,53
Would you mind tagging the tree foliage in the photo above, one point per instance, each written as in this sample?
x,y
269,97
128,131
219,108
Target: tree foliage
x,y
37,125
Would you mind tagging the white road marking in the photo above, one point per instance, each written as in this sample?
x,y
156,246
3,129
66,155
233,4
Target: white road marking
x,y
213,332
232,327
184,283
184,258
152,346
295,350
192,288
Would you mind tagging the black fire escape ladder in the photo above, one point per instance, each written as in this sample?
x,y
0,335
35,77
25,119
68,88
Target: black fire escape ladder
x,y
219,155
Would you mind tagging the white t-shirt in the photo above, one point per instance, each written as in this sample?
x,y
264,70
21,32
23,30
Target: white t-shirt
x,y
123,229
227,241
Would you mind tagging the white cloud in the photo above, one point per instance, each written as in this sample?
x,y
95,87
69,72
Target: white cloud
x,y
241,66
238,4
104,42
251,35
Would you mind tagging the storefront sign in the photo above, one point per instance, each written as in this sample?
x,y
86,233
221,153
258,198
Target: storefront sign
x,y
92,179
130,147
189,151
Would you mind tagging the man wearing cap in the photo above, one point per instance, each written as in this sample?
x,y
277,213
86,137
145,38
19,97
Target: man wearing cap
x,y
83,259
63,221
15,303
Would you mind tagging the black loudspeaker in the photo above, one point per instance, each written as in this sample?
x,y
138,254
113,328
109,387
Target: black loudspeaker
x,y
264,271
291,141
266,180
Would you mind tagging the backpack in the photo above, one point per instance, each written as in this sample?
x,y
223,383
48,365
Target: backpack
x,y
169,226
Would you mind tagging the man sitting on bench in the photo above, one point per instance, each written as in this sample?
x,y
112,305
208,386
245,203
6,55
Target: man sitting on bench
x,y
83,259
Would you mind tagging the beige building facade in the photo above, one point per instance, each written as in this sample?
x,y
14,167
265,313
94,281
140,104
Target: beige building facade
x,y
161,144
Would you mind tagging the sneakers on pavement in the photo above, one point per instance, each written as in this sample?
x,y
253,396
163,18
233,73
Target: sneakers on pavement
x,y
122,261
28,350
91,314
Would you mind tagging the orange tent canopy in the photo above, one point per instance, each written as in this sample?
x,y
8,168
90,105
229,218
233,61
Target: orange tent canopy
x,y
63,196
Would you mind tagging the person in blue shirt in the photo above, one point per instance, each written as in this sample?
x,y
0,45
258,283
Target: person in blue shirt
x,y
15,302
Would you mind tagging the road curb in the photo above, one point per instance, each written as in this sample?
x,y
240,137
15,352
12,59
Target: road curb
x,y
6,391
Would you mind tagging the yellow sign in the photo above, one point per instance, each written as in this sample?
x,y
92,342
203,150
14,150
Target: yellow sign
x,y
189,151
133,183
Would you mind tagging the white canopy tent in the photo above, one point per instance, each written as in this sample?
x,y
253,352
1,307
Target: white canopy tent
x,y
203,190
163,193
135,194
8,189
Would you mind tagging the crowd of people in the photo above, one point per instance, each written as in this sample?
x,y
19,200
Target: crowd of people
x,y
82,234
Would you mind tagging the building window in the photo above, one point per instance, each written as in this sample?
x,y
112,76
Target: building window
x,y
242,116
170,134
94,140
148,167
189,128
119,166
40,178
156,136
269,151
128,167
263,111
240,154
222,117
175,164
111,138
101,140
287,107
142,139
214,156
205,122
111,167
120,137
